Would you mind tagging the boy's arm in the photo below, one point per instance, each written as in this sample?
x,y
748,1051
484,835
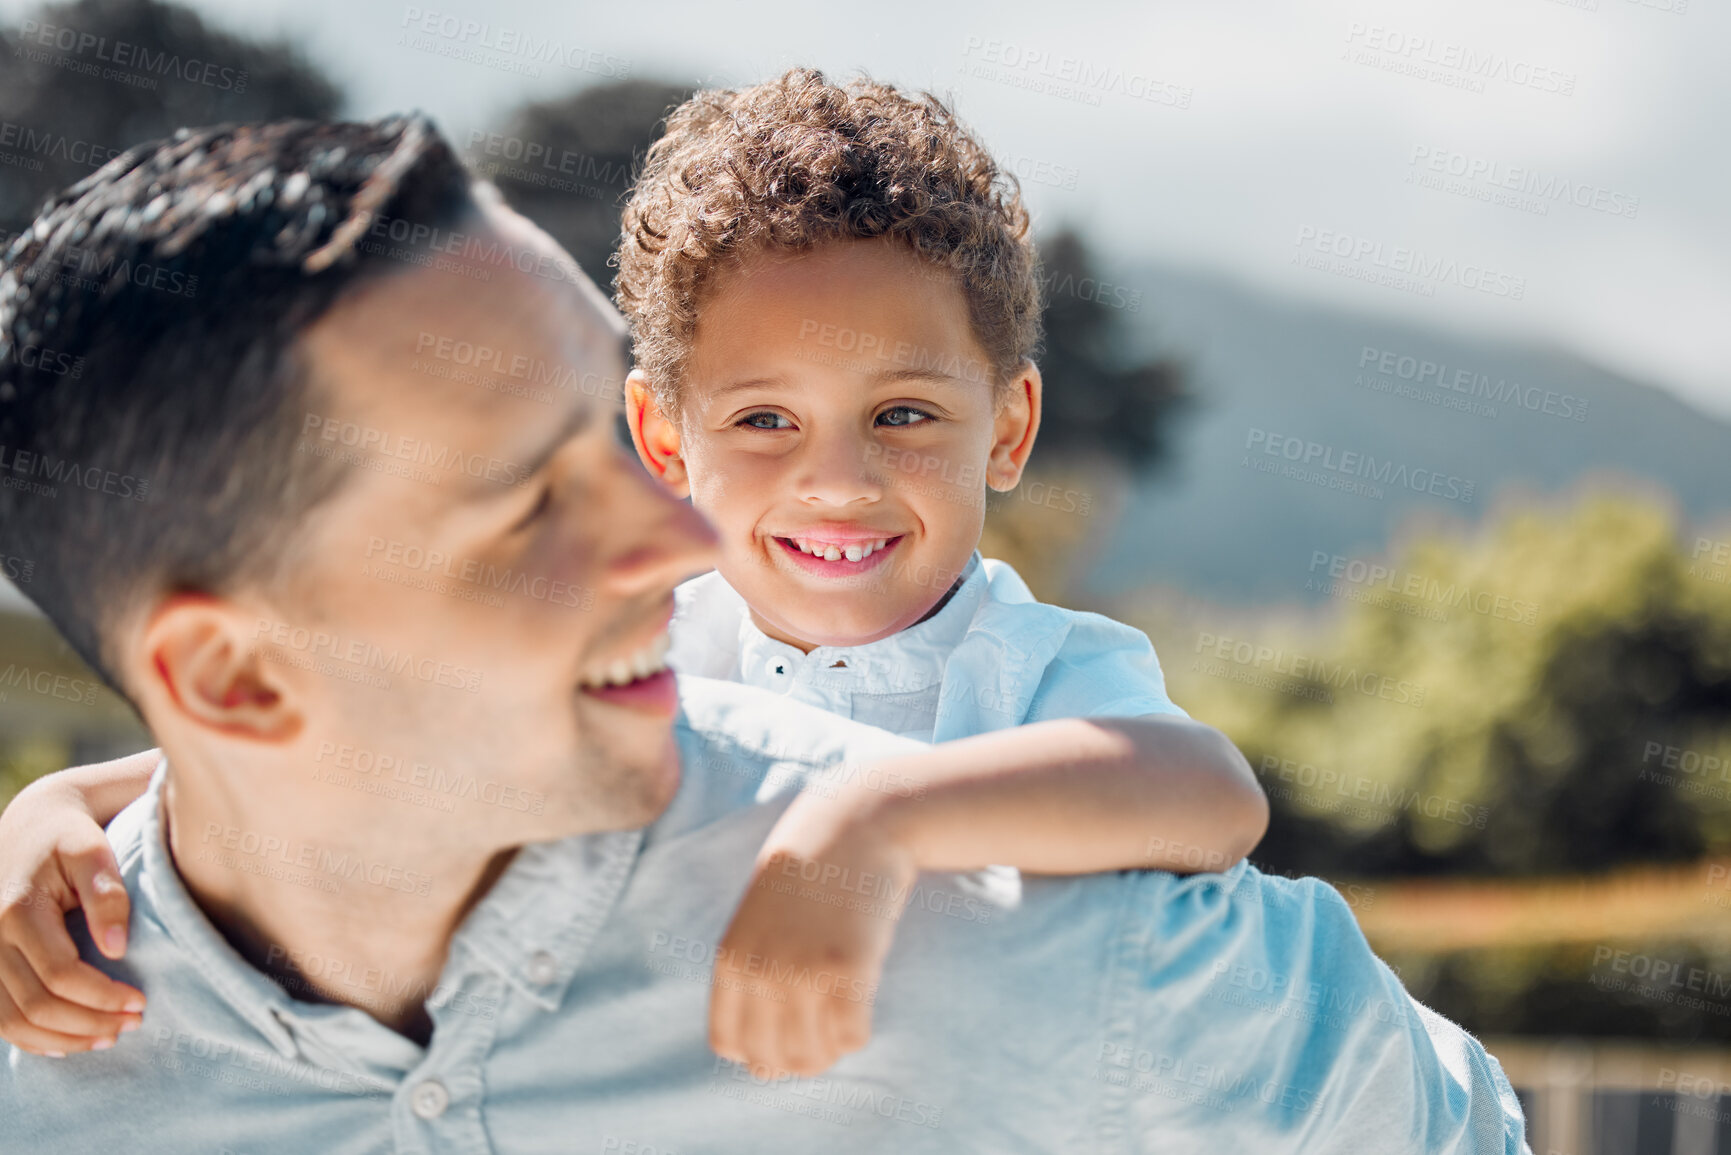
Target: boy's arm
x,y
1066,796
54,857
102,789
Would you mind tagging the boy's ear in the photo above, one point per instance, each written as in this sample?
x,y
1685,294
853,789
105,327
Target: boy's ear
x,y
204,662
655,435
1017,422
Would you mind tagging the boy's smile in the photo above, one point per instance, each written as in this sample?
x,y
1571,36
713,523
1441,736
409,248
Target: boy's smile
x,y
839,550
839,426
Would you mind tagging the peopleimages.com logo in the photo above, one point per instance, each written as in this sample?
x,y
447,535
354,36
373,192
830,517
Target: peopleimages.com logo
x,y
1349,469
136,64
1395,266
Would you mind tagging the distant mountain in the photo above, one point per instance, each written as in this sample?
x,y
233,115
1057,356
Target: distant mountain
x,y
1358,406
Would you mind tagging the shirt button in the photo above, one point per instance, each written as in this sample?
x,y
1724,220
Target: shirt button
x,y
430,1099
543,968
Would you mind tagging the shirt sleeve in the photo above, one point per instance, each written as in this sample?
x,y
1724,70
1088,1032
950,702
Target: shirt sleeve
x,y
1251,1015
1104,669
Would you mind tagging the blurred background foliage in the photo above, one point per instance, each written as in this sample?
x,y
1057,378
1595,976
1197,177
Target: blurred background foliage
x,y
1579,727
42,98
1596,634
1541,723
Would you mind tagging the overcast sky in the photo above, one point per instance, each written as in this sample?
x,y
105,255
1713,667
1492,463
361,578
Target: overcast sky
x,y
1234,136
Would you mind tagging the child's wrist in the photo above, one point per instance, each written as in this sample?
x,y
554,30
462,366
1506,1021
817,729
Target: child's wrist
x,y
58,796
853,823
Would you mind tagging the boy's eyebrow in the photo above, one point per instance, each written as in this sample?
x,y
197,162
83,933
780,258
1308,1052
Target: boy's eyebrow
x,y
908,373
875,379
749,383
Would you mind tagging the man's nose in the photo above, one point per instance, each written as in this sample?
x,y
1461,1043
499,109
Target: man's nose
x,y
654,540
839,469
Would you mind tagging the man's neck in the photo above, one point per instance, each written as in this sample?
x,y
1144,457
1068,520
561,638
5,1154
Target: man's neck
x,y
334,910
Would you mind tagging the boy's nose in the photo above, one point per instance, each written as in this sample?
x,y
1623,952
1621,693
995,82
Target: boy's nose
x,y
839,472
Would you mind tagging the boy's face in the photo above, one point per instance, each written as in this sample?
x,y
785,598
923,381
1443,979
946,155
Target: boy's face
x,y
839,425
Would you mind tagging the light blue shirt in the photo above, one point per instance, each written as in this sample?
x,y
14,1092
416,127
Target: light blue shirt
x,y
992,657
1113,1013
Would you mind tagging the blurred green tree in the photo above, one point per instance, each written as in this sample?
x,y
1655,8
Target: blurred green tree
x,y
568,164
1108,417
60,124
1573,647
1101,402
180,71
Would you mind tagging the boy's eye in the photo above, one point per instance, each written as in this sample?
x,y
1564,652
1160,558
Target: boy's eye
x,y
904,415
765,420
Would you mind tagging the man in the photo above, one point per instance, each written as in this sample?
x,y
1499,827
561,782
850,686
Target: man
x,y
300,341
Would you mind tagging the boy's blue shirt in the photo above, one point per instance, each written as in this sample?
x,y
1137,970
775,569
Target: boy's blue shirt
x,y
991,658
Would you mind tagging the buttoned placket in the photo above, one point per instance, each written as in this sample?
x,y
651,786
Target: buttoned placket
x,y
782,669
439,1106
828,676
528,937
528,940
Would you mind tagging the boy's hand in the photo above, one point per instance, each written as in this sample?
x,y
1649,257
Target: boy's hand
x,y
797,972
54,858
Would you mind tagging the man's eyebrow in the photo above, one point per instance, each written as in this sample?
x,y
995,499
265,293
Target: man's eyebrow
x,y
576,421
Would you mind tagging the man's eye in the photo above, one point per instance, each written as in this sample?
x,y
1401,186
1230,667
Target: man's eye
x,y
904,415
541,504
765,420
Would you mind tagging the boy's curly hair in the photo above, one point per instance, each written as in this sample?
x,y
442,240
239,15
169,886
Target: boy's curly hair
x,y
798,161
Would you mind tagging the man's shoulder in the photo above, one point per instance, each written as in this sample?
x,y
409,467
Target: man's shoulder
x,y
740,746
722,715
1251,969
194,1055
705,632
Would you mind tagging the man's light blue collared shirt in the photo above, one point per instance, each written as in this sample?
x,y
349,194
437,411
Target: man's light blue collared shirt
x,y
1127,1012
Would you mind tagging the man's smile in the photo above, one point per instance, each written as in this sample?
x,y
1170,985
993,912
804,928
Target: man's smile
x,y
639,680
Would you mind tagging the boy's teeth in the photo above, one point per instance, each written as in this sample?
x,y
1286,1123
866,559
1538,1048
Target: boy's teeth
x,y
854,551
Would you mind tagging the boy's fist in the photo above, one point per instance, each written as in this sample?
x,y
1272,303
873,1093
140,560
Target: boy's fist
x,y
797,972
55,858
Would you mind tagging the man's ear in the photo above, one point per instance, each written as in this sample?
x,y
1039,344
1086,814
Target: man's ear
x,y
655,434
1017,422
202,658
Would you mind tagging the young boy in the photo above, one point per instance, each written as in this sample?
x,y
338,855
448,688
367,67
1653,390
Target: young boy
x,y
835,308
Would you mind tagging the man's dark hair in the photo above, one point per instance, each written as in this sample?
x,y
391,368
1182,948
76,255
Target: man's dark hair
x,y
151,385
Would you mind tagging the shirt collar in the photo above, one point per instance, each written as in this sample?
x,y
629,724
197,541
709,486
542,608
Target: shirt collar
x,y
911,659
537,923
533,928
